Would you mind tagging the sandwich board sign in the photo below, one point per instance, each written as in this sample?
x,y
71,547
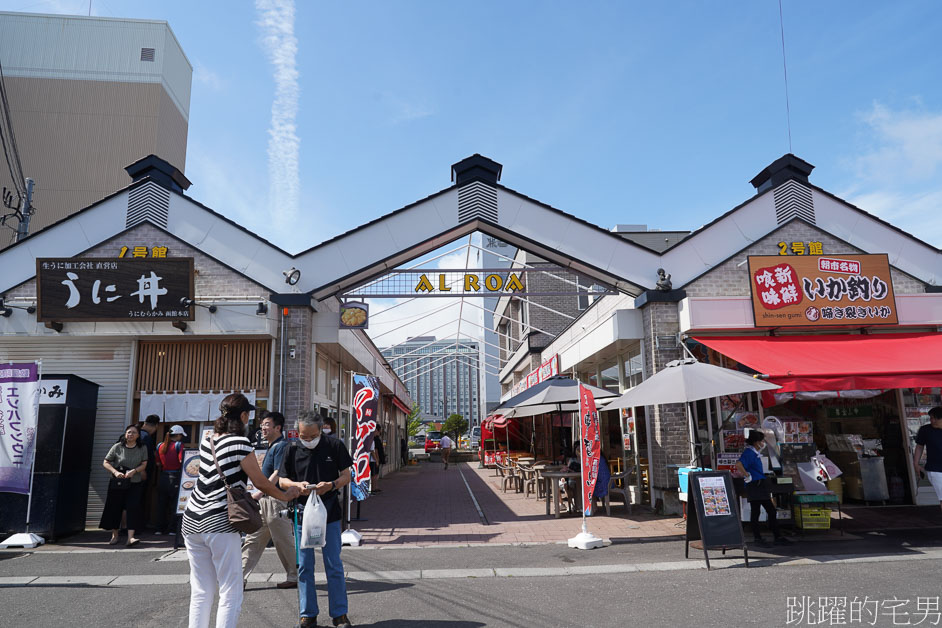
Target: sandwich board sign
x,y
713,514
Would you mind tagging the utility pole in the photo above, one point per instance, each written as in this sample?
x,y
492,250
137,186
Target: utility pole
x,y
26,211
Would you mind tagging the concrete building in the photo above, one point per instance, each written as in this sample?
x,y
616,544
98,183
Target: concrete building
x,y
442,376
87,97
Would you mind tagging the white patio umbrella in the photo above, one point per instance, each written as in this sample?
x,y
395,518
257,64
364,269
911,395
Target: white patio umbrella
x,y
683,381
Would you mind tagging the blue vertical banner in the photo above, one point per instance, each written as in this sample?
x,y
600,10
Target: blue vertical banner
x,y
366,412
19,415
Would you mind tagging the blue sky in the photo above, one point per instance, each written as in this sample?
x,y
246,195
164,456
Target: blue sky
x,y
618,112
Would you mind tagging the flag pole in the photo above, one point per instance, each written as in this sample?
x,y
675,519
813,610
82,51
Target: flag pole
x,y
584,540
27,539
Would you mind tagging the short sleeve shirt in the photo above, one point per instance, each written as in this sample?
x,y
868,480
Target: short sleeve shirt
x,y
752,463
324,463
274,456
127,458
931,438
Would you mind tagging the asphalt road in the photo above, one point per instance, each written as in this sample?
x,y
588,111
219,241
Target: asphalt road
x,y
876,571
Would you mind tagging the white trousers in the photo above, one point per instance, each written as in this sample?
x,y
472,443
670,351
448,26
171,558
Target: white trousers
x,y
215,563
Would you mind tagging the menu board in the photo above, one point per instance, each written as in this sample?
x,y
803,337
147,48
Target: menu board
x,y
798,432
715,498
191,472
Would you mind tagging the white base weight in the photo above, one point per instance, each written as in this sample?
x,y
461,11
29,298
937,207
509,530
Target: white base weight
x,y
26,540
351,537
585,541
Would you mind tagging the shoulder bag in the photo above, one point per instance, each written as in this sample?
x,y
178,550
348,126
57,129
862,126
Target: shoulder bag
x,y
244,512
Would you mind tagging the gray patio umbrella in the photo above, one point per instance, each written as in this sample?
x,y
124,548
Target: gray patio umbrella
x,y
553,393
683,381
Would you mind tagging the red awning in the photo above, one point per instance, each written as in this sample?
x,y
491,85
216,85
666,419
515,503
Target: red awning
x,y
803,363
401,405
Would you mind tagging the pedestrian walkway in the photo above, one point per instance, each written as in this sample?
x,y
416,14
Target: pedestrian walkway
x,y
425,504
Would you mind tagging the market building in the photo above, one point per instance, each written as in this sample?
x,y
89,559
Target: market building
x,y
739,291
229,317
853,340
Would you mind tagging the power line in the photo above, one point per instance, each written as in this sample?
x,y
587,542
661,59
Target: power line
x,y
788,110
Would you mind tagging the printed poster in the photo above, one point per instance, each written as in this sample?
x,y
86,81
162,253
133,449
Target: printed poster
x,y
19,414
191,473
715,498
366,412
590,446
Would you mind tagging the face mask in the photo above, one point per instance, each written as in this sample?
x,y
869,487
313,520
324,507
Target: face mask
x,y
326,430
310,444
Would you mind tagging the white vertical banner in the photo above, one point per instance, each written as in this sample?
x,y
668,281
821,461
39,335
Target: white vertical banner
x,y
19,416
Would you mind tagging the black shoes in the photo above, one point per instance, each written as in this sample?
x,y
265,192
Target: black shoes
x,y
781,540
306,622
342,622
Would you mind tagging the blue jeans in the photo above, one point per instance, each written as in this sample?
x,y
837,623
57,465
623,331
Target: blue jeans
x,y
336,583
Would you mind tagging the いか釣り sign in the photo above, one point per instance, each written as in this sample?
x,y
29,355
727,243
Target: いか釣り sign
x,y
820,291
114,289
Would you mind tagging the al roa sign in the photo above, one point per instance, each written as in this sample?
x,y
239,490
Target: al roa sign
x,y
492,282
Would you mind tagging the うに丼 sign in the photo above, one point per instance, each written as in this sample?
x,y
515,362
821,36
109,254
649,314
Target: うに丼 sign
x,y
825,290
114,289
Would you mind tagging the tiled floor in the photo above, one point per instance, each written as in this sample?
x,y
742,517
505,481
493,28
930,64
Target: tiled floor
x,y
425,504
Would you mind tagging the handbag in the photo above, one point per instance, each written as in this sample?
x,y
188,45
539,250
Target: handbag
x,y
245,514
119,484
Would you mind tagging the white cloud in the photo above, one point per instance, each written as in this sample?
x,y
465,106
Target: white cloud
x,y
404,110
907,145
205,76
276,19
897,171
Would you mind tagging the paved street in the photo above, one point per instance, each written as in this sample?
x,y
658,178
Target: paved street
x,y
545,585
451,549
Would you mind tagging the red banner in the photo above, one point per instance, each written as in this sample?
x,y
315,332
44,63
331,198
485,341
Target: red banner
x,y
590,446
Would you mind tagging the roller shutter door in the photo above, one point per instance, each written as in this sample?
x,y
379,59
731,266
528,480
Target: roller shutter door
x,y
105,361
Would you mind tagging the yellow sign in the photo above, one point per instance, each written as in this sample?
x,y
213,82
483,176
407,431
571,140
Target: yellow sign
x,y
799,248
141,251
473,283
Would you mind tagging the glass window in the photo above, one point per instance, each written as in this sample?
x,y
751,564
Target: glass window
x,y
610,378
334,381
321,375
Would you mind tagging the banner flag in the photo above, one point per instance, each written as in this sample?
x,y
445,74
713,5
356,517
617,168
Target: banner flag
x,y
19,415
366,409
590,446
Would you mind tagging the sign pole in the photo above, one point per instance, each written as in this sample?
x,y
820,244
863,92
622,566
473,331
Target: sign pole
x,y
27,539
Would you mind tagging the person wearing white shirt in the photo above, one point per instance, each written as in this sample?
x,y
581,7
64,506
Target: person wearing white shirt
x,y
445,446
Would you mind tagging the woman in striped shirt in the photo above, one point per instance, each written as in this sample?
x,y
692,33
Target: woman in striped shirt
x,y
213,546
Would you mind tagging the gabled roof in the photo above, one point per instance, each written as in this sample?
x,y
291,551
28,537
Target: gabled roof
x,y
418,228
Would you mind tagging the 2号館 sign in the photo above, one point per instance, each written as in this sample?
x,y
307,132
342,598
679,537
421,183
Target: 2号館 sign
x,y
826,290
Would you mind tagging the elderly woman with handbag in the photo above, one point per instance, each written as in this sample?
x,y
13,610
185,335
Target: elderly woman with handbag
x,y
213,543
126,461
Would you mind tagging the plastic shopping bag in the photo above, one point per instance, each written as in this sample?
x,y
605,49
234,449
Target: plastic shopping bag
x,y
314,523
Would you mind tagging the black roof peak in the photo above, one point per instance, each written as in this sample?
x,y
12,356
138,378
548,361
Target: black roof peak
x,y
786,167
160,171
476,168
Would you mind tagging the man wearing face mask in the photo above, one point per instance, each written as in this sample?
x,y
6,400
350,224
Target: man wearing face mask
x,y
758,489
322,461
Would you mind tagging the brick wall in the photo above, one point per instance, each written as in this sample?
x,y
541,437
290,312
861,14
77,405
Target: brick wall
x,y
731,280
299,370
670,434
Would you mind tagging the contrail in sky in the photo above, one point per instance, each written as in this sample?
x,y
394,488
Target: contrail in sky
x,y
276,19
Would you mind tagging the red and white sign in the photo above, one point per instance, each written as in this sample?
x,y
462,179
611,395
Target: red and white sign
x,y
537,375
590,446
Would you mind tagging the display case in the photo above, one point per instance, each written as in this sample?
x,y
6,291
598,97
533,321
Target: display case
x,y
916,403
